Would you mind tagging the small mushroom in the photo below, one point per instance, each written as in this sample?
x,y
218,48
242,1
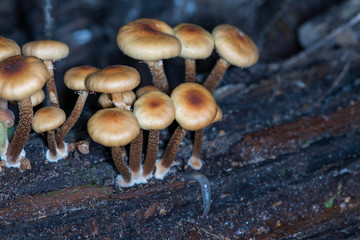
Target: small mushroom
x,y
150,40
115,80
105,100
8,48
114,127
196,43
235,48
20,78
154,111
195,160
195,109
74,79
47,119
145,89
49,51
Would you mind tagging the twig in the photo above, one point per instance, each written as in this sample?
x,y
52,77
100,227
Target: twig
x,y
321,43
335,84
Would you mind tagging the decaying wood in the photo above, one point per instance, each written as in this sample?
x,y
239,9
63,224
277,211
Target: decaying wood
x,y
278,140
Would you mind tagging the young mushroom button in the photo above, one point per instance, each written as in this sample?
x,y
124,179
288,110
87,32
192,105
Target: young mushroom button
x,y
150,40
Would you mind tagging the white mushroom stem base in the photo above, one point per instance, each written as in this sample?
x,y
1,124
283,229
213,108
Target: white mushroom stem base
x,y
161,171
137,176
17,163
195,162
60,154
120,181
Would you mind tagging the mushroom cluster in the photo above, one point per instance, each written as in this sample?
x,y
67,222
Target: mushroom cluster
x,y
125,116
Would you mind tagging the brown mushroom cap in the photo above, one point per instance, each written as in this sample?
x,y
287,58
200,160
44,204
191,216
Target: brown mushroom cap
x,y
113,79
113,127
75,77
195,106
48,118
235,46
21,77
148,39
105,100
145,89
154,110
37,97
46,49
219,115
196,42
8,48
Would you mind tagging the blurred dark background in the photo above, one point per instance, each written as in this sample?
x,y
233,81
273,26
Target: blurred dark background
x,y
89,27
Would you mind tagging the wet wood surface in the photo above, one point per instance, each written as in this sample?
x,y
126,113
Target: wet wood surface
x,y
283,164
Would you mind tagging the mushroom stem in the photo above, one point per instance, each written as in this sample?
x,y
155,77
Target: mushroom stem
x,y
217,73
120,164
135,157
50,85
158,74
22,132
6,121
70,122
195,161
51,143
118,100
190,70
151,153
162,167
3,139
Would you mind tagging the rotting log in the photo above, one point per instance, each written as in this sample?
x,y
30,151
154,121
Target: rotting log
x,y
282,139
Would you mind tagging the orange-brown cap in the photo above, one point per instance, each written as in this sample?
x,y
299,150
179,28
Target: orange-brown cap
x,y
145,89
113,127
113,79
196,42
148,39
8,48
46,49
75,77
195,106
154,110
48,118
21,77
235,46
219,115
105,100
37,97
